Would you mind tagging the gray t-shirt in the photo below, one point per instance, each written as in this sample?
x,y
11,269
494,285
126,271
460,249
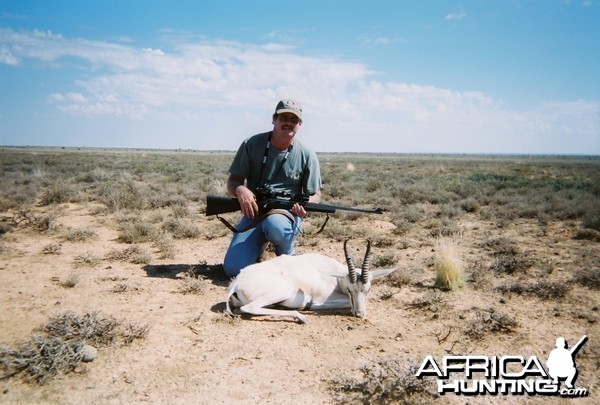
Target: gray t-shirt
x,y
296,173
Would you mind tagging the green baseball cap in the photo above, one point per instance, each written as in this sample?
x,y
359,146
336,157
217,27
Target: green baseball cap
x,y
289,106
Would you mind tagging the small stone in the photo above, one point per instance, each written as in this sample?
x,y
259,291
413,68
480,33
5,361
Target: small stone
x,y
88,353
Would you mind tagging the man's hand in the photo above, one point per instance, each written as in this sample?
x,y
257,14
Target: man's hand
x,y
298,210
247,201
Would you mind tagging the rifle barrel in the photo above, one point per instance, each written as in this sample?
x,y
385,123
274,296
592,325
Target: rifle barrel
x,y
317,207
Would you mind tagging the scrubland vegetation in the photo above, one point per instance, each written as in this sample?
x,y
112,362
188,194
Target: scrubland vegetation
x,y
155,199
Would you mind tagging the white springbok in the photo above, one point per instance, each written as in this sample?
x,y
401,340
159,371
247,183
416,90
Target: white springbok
x,y
310,281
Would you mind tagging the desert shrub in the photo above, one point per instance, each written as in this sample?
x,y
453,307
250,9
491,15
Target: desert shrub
x,y
122,288
169,200
589,278
56,193
432,301
448,264
502,245
385,260
134,254
402,226
588,234
59,346
336,230
507,264
96,175
80,235
449,211
41,358
412,213
470,205
52,249
387,381
192,284
507,256
133,331
92,327
86,259
70,281
543,289
136,232
591,219
181,229
479,276
400,278
443,229
123,194
40,221
489,322
165,245
6,204
180,211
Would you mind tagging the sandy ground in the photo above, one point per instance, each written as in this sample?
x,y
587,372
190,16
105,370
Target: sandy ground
x,y
194,353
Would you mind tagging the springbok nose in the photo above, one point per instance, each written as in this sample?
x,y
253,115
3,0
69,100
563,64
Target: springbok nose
x,y
361,313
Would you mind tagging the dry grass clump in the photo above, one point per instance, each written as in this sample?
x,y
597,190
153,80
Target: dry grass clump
x,y
59,346
448,264
387,381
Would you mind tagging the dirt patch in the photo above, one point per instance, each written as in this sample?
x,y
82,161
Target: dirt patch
x,y
194,353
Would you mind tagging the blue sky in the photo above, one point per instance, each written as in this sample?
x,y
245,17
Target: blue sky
x,y
480,76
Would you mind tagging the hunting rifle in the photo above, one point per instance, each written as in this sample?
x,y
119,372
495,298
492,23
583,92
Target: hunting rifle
x,y
268,199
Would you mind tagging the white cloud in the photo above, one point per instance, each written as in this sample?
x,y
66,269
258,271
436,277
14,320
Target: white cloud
x,y
198,83
455,16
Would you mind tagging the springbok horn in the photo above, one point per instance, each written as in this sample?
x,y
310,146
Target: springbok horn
x,y
364,275
351,269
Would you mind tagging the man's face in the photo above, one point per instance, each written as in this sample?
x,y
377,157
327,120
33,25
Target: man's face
x,y
286,124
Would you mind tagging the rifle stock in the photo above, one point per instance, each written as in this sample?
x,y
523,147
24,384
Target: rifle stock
x,y
216,205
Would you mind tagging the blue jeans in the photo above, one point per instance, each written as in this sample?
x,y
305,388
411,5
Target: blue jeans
x,y
246,247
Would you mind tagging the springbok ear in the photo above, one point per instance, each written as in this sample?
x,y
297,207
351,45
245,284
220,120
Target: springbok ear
x,y
379,273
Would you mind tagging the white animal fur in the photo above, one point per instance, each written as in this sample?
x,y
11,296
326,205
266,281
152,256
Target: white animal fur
x,y
310,281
